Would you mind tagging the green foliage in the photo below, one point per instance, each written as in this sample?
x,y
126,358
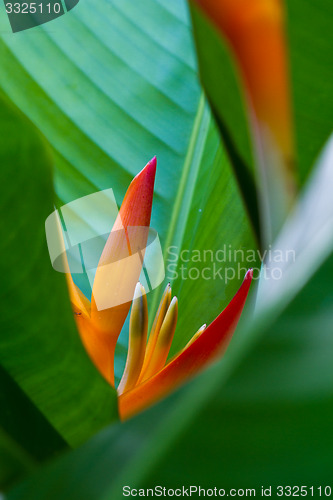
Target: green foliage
x,y
144,100
260,416
222,82
310,49
311,63
43,363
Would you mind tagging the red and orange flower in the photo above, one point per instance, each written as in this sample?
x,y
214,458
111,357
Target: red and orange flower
x,y
147,376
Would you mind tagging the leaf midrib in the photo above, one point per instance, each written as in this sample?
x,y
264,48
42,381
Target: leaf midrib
x,y
184,196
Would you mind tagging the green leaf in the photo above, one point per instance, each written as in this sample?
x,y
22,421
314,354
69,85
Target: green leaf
x,y
110,88
310,49
249,421
23,442
222,82
43,364
213,240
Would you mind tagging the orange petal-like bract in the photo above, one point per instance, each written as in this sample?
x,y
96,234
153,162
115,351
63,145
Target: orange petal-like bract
x,y
146,378
204,349
100,332
80,303
255,31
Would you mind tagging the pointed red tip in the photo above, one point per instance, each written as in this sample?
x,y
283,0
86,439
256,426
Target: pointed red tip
x,y
150,169
249,274
137,204
148,172
153,162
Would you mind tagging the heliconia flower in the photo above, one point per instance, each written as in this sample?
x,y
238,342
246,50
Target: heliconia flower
x,y
256,33
147,376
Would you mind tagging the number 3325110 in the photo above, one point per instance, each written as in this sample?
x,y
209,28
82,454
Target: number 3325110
x,y
32,8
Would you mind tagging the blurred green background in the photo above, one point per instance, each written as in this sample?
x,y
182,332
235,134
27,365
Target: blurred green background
x,y
86,101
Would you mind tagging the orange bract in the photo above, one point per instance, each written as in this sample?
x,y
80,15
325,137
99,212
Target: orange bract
x,y
100,330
